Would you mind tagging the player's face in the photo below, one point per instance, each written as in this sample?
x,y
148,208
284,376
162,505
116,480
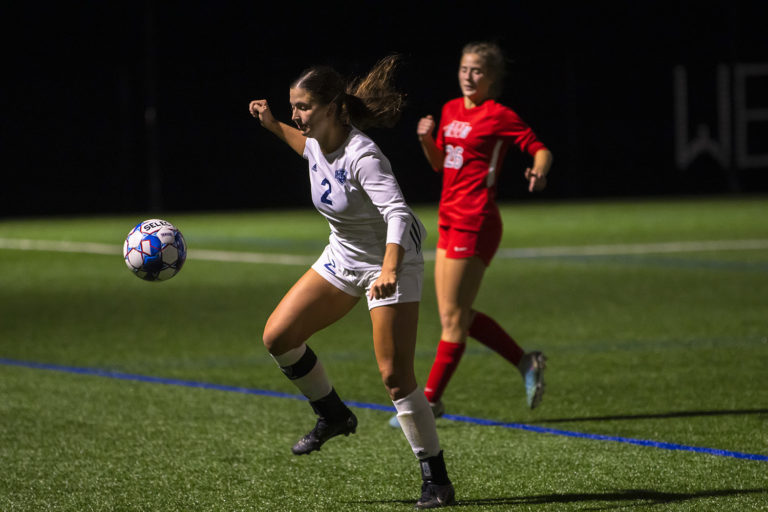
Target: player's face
x,y
474,80
310,117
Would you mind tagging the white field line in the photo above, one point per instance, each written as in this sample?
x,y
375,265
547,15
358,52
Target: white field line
x,y
624,249
292,259
116,250
251,257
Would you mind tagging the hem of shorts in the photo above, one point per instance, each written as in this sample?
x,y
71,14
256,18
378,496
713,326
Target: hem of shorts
x,y
335,285
370,307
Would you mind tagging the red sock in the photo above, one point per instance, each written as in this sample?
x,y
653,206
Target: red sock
x,y
447,359
485,330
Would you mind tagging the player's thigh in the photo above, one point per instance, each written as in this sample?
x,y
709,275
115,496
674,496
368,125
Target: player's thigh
x,y
309,306
394,341
439,259
457,281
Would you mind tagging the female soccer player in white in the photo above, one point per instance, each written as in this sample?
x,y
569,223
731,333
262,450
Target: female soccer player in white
x,y
374,250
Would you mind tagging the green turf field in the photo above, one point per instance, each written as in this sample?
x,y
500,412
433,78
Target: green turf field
x,y
654,316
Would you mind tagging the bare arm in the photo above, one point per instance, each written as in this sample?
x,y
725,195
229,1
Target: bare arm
x,y
288,134
537,175
424,131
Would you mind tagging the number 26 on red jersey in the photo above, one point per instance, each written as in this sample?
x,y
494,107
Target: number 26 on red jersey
x,y
454,157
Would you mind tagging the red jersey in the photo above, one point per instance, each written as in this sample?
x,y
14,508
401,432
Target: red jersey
x,y
475,142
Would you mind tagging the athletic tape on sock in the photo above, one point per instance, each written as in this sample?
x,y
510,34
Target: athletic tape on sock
x,y
418,424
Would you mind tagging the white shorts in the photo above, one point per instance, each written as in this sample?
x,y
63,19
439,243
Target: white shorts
x,y
358,282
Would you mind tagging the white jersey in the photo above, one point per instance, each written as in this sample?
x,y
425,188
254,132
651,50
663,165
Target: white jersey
x,y
355,190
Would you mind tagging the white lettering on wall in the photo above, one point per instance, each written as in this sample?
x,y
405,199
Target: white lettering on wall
x,y
732,108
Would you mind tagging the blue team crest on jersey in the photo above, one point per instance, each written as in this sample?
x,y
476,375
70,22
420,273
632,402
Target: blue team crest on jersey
x,y
341,175
314,167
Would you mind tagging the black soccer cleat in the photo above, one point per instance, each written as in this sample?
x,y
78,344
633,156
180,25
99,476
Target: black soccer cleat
x,y
333,418
436,489
323,431
435,495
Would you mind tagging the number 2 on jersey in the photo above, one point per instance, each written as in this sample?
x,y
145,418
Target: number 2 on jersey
x,y
324,198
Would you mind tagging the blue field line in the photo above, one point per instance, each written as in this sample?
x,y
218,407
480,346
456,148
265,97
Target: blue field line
x,y
378,407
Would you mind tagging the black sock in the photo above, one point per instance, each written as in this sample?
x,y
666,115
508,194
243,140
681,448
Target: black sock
x,y
330,406
433,469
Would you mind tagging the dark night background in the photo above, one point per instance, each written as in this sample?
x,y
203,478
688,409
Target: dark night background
x,y
595,81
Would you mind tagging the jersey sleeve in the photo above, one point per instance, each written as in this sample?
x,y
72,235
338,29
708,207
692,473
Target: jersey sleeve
x,y
309,147
374,174
514,129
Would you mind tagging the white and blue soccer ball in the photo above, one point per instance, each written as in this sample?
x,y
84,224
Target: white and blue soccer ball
x,y
155,250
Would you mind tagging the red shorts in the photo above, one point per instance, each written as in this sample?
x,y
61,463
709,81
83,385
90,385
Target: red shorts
x,y
462,243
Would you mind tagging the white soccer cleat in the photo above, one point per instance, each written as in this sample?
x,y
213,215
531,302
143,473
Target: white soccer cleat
x,y
532,367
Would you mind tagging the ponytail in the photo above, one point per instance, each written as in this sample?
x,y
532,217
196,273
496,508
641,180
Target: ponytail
x,y
374,100
371,101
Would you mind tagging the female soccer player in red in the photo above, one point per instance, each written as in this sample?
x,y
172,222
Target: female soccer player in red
x,y
473,137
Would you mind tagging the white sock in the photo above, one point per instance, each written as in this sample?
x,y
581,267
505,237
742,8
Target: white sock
x,y
418,424
314,384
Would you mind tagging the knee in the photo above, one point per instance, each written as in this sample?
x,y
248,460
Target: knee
x,y
455,319
279,340
398,384
269,338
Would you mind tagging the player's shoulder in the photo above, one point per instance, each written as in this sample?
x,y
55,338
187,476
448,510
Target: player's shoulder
x,y
504,114
454,104
311,147
500,108
358,138
362,149
360,144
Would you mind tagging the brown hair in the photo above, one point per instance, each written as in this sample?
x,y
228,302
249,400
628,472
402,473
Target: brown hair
x,y
493,58
365,102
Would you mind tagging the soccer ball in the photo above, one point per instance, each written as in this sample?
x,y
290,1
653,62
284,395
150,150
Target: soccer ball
x,y
155,250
